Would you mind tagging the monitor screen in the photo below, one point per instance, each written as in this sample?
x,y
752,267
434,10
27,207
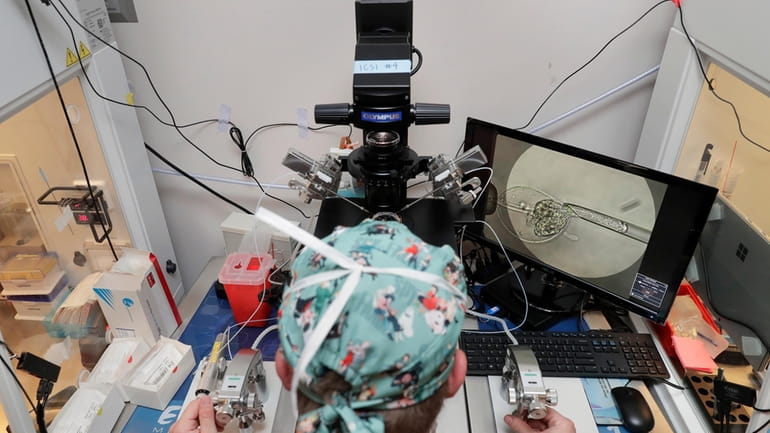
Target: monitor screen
x,y
620,231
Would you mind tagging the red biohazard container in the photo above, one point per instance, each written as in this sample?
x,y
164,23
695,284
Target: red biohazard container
x,y
245,277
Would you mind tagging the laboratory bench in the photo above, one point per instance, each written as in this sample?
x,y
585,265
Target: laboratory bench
x,y
477,408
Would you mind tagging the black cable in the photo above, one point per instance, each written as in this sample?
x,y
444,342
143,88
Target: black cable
x,y
310,128
419,61
10,370
460,148
760,410
279,199
710,85
200,122
588,62
71,128
174,124
196,181
671,384
760,428
246,168
93,88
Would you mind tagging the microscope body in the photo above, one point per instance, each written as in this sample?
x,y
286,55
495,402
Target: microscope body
x,y
382,106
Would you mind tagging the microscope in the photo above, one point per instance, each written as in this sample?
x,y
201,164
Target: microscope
x,y
383,110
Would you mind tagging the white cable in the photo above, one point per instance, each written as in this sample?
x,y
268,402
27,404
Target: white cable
x,y
515,273
262,335
491,172
500,321
261,300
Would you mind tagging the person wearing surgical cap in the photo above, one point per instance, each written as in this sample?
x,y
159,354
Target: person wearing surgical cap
x,y
390,356
369,329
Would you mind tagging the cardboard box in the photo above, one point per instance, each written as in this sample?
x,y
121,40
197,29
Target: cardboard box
x,y
160,373
135,298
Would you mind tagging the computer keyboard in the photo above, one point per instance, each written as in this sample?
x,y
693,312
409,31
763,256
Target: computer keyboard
x,y
569,354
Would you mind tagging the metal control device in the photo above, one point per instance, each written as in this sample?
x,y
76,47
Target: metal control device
x,y
238,388
522,384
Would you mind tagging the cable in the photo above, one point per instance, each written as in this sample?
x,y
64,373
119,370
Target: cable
x,y
304,215
671,384
502,323
71,128
246,168
196,181
263,334
588,62
486,185
515,272
419,61
760,428
152,84
245,322
310,128
10,370
93,88
710,85
217,194
459,149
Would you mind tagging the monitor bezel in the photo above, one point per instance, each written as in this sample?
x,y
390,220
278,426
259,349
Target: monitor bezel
x,y
682,261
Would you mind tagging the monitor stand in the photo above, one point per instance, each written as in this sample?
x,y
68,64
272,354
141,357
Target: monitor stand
x,y
550,299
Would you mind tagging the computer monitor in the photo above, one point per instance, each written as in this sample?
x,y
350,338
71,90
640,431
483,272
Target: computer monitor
x,y
619,231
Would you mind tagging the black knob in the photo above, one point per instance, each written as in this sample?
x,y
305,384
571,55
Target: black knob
x,y
333,114
170,266
429,114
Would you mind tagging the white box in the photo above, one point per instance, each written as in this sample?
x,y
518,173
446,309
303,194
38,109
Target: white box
x,y
91,409
117,360
160,373
34,310
234,228
135,298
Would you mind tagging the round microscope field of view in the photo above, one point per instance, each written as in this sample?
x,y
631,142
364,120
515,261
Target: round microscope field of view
x,y
568,212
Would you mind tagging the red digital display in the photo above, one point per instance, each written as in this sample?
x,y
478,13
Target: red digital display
x,y
83,218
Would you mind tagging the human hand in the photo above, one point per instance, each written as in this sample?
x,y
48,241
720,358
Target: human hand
x,y
198,417
554,422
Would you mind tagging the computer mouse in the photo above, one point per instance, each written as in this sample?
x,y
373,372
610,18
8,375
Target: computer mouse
x,y
636,413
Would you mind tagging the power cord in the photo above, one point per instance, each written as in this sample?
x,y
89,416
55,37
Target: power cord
x,y
69,124
709,81
196,181
15,378
310,128
588,62
173,119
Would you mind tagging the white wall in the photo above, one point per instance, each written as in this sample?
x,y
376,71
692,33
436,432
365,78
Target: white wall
x,y
489,59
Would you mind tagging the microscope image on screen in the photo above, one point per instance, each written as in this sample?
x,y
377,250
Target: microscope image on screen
x,y
589,220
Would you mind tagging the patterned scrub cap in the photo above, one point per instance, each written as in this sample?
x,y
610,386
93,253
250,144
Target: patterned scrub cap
x,y
378,306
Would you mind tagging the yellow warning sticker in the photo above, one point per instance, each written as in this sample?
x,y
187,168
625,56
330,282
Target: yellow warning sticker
x,y
71,58
130,98
83,50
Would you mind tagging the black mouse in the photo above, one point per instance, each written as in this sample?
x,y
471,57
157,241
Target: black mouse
x,y
636,413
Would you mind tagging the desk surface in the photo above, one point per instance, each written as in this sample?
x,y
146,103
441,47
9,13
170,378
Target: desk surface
x,y
476,397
